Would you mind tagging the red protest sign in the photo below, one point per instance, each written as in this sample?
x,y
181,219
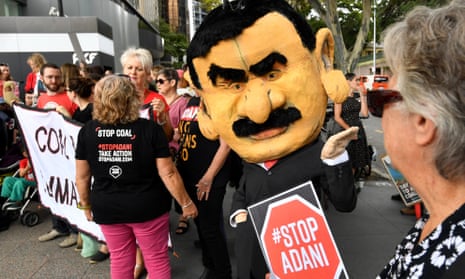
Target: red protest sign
x,y
297,241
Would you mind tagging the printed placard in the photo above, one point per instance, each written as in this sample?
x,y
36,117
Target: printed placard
x,y
407,193
295,237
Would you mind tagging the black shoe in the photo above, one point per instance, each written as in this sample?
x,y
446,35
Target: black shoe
x,y
99,257
396,197
4,222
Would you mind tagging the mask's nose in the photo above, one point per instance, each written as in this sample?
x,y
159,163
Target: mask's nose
x,y
259,101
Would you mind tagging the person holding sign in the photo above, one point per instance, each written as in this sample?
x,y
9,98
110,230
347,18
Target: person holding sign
x,y
264,80
424,135
133,177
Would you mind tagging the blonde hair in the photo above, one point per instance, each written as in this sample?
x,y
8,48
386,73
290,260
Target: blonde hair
x,y
143,55
38,60
116,101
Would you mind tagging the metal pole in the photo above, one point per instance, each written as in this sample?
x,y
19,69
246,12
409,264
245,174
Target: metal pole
x,y
60,8
374,38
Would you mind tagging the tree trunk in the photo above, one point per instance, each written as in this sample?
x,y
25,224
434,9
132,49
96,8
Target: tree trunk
x,y
352,58
343,59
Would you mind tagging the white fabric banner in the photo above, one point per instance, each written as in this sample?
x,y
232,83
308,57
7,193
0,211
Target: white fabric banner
x,y
51,141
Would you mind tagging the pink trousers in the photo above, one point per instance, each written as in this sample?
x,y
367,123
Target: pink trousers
x,y
152,238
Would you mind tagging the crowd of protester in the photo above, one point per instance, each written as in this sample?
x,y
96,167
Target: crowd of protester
x,y
70,90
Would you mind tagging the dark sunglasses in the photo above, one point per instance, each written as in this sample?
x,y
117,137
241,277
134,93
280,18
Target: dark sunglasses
x,y
377,99
160,81
4,64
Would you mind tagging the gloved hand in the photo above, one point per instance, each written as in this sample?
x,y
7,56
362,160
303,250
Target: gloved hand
x,y
337,143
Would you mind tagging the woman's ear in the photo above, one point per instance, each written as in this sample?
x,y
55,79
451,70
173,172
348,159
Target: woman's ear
x,y
425,130
333,81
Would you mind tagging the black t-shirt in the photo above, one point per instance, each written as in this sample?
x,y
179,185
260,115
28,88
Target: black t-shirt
x,y
196,152
126,186
84,115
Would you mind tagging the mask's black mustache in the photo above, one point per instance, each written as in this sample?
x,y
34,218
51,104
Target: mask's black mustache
x,y
278,118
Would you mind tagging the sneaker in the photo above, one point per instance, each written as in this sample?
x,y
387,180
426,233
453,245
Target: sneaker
x,y
78,247
99,257
69,241
51,235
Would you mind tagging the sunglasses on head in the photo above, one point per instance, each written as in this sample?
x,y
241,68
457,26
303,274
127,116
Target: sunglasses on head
x,y
377,99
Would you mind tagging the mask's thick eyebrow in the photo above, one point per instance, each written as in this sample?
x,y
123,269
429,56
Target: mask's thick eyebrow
x,y
266,65
233,75
236,75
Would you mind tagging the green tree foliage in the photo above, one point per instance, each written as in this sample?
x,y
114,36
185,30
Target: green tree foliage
x,y
350,21
209,5
393,10
175,43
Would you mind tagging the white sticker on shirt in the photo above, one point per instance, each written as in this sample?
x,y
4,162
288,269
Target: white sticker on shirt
x,y
115,171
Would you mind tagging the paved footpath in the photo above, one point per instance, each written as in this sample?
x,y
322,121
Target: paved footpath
x,y
366,239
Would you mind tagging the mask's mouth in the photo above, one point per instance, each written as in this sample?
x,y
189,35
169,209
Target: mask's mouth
x,y
276,124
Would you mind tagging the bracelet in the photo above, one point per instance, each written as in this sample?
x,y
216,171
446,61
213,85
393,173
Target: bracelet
x,y
83,207
187,204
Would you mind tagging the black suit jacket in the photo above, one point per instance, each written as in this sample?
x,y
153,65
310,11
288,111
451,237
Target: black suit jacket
x,y
258,184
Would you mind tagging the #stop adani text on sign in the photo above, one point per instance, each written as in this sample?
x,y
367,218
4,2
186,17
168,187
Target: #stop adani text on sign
x,y
295,237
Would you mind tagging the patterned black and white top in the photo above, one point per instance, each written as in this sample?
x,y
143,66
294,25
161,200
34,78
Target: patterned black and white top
x,y
434,255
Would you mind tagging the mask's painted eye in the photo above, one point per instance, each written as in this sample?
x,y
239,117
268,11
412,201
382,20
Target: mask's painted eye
x,y
231,86
273,75
237,86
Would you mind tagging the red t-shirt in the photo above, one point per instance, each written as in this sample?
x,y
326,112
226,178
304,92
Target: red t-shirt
x,y
150,95
31,80
29,174
46,101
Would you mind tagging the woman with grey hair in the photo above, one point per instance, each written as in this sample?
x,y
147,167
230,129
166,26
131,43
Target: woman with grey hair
x,y
137,64
424,133
133,178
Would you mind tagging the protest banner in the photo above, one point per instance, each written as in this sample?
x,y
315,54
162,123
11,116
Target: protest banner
x,y
295,237
51,141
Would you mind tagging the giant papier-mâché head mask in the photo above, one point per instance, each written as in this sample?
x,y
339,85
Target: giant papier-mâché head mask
x,y
264,78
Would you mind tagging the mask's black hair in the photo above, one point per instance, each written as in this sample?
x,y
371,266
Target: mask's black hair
x,y
230,19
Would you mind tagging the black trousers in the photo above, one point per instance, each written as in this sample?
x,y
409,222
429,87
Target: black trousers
x,y
62,226
210,227
250,260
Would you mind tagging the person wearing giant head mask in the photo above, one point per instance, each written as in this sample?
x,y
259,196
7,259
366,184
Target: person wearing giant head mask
x,y
264,80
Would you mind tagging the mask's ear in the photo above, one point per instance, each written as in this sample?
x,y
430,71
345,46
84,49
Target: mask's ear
x,y
187,77
333,81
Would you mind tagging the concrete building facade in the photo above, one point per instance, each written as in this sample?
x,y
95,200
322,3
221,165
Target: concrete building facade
x,y
94,31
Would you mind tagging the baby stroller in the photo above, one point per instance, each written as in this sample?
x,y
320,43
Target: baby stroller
x,y
14,211
9,166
